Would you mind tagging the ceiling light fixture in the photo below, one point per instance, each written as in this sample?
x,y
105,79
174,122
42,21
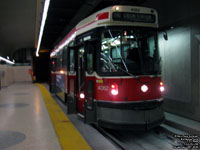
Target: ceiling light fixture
x,y
44,16
6,60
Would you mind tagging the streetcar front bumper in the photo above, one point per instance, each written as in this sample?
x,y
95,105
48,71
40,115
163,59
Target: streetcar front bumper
x,y
130,116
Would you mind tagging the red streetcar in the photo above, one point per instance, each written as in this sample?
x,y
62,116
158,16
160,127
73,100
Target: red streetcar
x,y
107,69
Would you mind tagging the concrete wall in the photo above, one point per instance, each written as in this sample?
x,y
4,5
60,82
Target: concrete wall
x,y
14,74
176,62
21,74
180,70
7,78
180,55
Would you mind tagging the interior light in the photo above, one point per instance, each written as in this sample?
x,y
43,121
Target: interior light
x,y
44,16
116,42
144,88
6,60
125,33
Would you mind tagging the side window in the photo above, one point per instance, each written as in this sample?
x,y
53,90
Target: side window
x,y
59,61
53,64
71,60
152,47
116,55
89,63
64,58
110,50
89,56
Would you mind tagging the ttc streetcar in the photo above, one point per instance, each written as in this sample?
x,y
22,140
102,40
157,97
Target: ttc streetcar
x,y
107,69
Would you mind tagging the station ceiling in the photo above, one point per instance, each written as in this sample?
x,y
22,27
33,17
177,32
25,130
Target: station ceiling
x,y
20,20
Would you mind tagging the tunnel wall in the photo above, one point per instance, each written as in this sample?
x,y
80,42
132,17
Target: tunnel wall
x,y
180,70
13,74
180,55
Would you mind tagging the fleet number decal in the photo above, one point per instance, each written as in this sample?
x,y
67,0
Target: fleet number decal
x,y
103,88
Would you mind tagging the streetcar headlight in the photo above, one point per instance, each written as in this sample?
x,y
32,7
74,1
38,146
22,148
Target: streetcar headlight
x,y
114,89
82,95
162,89
144,88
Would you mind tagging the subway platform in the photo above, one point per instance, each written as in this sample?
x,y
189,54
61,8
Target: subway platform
x,y
31,119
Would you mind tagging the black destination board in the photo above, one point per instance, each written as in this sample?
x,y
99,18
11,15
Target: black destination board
x,y
134,17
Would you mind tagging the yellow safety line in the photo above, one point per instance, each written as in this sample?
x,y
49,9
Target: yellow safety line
x,y
69,137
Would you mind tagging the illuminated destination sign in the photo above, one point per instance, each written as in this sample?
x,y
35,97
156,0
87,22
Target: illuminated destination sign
x,y
134,17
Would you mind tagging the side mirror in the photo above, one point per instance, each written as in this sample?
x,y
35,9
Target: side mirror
x,y
165,36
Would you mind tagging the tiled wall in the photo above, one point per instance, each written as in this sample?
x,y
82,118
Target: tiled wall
x,y
13,74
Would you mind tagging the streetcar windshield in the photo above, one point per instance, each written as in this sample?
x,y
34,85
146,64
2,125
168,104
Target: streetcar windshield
x,y
131,50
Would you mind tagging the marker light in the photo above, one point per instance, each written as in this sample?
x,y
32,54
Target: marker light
x,y
117,8
82,95
162,87
114,89
144,88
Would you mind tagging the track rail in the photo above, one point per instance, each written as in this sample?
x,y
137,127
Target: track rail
x,y
114,140
167,138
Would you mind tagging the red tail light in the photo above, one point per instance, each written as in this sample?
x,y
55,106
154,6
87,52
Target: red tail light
x,y
162,87
114,89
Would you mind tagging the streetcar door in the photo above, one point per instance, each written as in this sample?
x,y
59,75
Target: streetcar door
x,y
71,82
81,79
90,105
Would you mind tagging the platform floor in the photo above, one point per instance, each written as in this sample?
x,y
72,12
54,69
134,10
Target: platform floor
x,y
31,119
24,120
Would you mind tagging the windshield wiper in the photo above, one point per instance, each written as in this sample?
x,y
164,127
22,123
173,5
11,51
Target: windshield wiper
x,y
124,70
118,51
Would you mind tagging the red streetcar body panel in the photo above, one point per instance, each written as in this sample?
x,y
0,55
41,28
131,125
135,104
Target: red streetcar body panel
x,y
129,89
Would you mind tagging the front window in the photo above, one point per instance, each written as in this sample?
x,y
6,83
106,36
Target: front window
x,y
131,50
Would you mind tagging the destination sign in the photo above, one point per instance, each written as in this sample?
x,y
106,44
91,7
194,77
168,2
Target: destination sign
x,y
134,17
